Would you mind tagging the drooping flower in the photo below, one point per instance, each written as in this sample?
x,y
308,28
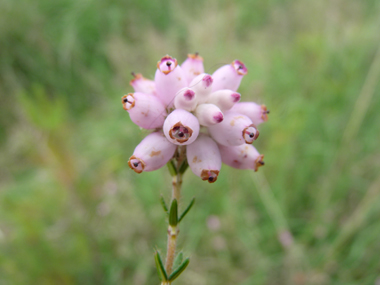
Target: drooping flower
x,y
188,107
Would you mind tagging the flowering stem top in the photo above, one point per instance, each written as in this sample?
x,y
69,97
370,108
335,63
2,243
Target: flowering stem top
x,y
197,120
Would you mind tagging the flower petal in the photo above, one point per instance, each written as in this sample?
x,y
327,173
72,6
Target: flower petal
x,y
202,86
192,66
153,152
145,110
208,114
229,76
225,99
186,99
143,85
244,156
257,113
169,79
181,127
204,158
235,129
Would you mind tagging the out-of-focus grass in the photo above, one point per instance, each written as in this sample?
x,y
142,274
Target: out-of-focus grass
x,y
72,212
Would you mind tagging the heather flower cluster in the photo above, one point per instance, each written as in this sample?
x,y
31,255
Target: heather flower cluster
x,y
186,107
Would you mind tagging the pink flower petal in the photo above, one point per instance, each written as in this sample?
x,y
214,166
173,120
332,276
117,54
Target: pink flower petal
x,y
169,79
186,99
229,76
235,129
145,110
143,85
204,158
244,156
181,127
208,114
257,113
225,99
202,86
192,66
153,152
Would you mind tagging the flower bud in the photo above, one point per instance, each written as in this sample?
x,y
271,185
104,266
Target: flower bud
x,y
235,129
224,99
204,158
202,86
169,79
181,127
186,99
153,152
143,85
145,110
208,114
192,66
229,76
257,113
243,156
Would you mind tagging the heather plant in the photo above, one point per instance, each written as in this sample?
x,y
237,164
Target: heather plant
x,y
197,121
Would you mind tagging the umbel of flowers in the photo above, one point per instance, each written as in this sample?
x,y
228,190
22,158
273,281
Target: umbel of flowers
x,y
184,106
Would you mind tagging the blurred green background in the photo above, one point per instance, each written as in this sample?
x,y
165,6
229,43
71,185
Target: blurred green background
x,y
72,212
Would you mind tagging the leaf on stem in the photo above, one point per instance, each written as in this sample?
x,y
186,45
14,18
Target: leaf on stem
x,y
183,167
178,260
179,270
172,168
162,200
186,210
160,267
173,214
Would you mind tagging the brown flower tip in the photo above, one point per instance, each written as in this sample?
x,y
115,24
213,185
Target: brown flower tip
x,y
250,134
128,101
136,164
167,64
240,67
180,133
209,175
259,162
195,56
137,76
264,114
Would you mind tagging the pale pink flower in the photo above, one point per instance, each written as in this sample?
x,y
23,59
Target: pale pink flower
x,y
188,107
153,152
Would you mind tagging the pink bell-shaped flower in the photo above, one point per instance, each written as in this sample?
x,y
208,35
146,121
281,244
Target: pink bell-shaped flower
x,y
186,99
235,129
192,66
169,79
243,156
229,76
257,113
224,99
143,85
153,152
145,110
204,158
208,114
202,86
181,127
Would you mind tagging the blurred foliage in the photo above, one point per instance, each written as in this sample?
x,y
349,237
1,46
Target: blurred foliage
x,y
71,212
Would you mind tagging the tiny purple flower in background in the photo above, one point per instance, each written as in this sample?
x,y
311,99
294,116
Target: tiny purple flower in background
x,y
187,107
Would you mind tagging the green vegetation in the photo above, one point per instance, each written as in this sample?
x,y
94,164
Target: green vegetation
x,y
72,212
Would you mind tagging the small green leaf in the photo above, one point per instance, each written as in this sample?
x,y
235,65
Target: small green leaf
x,y
162,200
177,272
160,267
183,167
172,168
178,260
173,214
186,210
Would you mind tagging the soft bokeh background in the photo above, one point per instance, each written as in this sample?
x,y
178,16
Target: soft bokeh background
x,y
72,212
